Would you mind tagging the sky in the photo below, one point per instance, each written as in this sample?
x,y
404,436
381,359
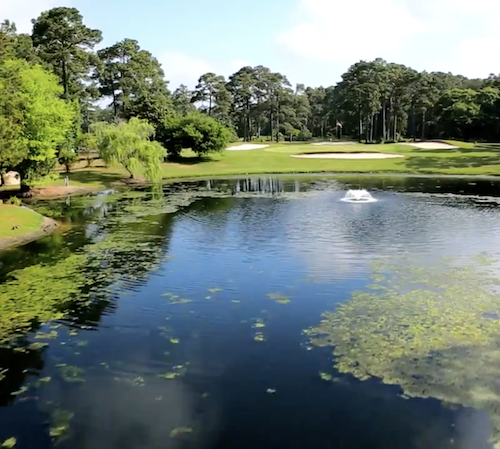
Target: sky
x,y
310,41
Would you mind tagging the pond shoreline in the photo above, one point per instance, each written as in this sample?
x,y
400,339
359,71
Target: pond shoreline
x,y
56,192
48,226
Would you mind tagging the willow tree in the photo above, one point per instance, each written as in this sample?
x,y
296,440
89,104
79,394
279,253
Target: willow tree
x,y
128,144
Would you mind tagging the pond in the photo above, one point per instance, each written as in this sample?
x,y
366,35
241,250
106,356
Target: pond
x,y
260,312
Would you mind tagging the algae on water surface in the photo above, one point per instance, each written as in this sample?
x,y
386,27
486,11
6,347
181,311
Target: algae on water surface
x,y
434,331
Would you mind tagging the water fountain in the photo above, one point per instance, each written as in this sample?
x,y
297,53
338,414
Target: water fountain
x,y
358,196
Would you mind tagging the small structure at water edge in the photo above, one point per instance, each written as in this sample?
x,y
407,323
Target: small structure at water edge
x,y
11,178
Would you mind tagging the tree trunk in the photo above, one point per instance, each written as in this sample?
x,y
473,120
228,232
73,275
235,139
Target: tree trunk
x,y
414,124
115,106
247,121
210,103
384,130
371,128
395,125
271,125
376,125
360,125
423,124
277,120
65,79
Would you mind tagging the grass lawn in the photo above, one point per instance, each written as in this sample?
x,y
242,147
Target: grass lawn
x,y
469,159
27,220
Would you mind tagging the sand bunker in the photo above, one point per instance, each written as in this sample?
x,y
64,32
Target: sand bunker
x,y
431,145
347,156
246,147
334,143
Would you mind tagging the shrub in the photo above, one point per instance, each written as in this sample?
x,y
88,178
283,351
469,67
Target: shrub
x,y
14,200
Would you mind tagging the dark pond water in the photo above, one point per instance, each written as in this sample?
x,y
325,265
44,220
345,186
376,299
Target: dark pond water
x,y
177,321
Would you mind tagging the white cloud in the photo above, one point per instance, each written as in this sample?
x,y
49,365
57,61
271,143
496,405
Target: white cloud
x,y
22,11
448,35
181,68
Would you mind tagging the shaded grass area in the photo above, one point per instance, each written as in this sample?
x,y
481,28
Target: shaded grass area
x,y
24,221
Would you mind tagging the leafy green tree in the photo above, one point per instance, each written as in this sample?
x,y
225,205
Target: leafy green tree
x,y
65,43
242,87
12,149
318,116
15,45
128,144
135,82
199,132
30,103
206,91
68,150
458,109
182,100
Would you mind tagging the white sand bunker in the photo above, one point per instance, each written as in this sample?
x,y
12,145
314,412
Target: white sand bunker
x,y
431,145
246,147
347,156
334,143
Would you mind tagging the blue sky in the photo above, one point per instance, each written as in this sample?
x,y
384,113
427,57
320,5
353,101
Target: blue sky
x,y
310,41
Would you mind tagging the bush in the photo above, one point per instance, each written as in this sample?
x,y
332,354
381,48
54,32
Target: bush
x,y
198,131
304,134
14,200
260,139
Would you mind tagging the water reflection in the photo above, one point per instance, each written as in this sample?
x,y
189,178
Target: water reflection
x,y
152,341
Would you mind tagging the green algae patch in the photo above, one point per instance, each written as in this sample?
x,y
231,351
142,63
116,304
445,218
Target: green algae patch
x,y
22,390
259,324
179,431
433,330
174,341
177,371
279,298
61,419
46,335
169,376
326,377
9,443
70,373
259,336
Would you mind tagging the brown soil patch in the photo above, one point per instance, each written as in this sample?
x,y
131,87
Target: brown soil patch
x,y
57,191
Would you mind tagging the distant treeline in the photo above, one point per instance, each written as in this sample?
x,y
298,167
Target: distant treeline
x,y
374,101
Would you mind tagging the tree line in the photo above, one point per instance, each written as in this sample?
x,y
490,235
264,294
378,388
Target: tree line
x,y
53,84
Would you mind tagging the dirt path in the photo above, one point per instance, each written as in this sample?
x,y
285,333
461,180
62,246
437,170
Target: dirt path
x,y
58,191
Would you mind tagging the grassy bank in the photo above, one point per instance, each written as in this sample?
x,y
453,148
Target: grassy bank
x,y
20,225
468,159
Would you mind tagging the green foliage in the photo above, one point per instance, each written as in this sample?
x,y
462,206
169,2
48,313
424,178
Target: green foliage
x,y
9,443
40,119
213,96
134,81
65,43
199,132
279,298
432,330
182,100
14,200
127,144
